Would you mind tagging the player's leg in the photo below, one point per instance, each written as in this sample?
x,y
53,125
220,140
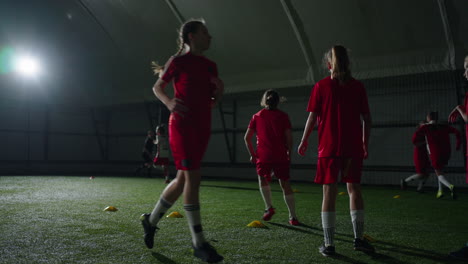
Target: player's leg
x,y
170,194
442,180
352,176
202,249
264,178
282,173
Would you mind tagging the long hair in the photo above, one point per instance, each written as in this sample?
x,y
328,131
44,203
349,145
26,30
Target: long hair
x,y
339,62
270,99
188,27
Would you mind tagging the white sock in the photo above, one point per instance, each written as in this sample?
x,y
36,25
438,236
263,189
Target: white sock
x,y
159,210
413,177
328,224
266,194
444,181
194,221
357,218
290,202
421,184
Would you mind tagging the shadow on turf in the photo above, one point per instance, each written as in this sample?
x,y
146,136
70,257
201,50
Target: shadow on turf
x,y
235,188
405,250
162,258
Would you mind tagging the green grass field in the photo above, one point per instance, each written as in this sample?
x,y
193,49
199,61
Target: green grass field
x,y
61,220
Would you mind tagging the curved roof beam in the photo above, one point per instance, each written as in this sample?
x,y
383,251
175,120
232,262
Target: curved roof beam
x,y
448,35
175,11
297,26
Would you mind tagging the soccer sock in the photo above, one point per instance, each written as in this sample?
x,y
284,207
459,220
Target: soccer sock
x,y
266,194
328,224
194,221
444,181
412,177
421,184
159,210
290,202
440,184
357,218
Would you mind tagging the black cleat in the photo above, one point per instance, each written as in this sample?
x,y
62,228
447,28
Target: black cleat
x,y
207,253
327,250
149,229
363,245
461,254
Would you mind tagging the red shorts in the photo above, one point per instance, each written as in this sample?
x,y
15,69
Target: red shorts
x,y
188,139
328,170
439,161
161,161
421,163
280,170
466,169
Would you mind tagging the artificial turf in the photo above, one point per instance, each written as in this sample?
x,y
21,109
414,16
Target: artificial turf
x,y
61,220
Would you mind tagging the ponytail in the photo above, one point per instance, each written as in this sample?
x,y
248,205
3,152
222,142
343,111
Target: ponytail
x,y
338,60
270,99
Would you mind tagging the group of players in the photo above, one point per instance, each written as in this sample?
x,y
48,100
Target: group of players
x,y
338,105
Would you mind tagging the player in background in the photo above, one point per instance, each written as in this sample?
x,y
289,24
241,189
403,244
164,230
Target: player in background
x,y
437,137
162,151
421,164
272,156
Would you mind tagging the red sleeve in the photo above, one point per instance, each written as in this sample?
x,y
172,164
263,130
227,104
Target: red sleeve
x,y
253,124
364,102
418,137
170,70
287,122
457,134
466,102
314,100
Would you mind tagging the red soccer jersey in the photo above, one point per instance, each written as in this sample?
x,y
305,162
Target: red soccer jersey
x,y
270,127
437,137
192,82
420,155
466,128
339,108
189,134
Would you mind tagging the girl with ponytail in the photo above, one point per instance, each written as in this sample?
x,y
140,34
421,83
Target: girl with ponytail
x,y
337,104
274,144
196,90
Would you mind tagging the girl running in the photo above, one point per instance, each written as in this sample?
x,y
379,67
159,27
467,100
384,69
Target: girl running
x,y
421,163
197,88
274,143
337,104
437,137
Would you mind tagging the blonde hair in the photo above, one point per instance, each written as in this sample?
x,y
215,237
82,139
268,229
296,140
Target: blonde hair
x,y
339,62
191,26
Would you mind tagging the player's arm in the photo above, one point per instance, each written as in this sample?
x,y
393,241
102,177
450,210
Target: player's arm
x,y
419,137
248,143
173,104
289,141
459,110
457,135
310,123
367,124
218,93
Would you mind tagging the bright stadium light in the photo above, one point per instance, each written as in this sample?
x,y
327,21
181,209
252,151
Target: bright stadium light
x,y
27,66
